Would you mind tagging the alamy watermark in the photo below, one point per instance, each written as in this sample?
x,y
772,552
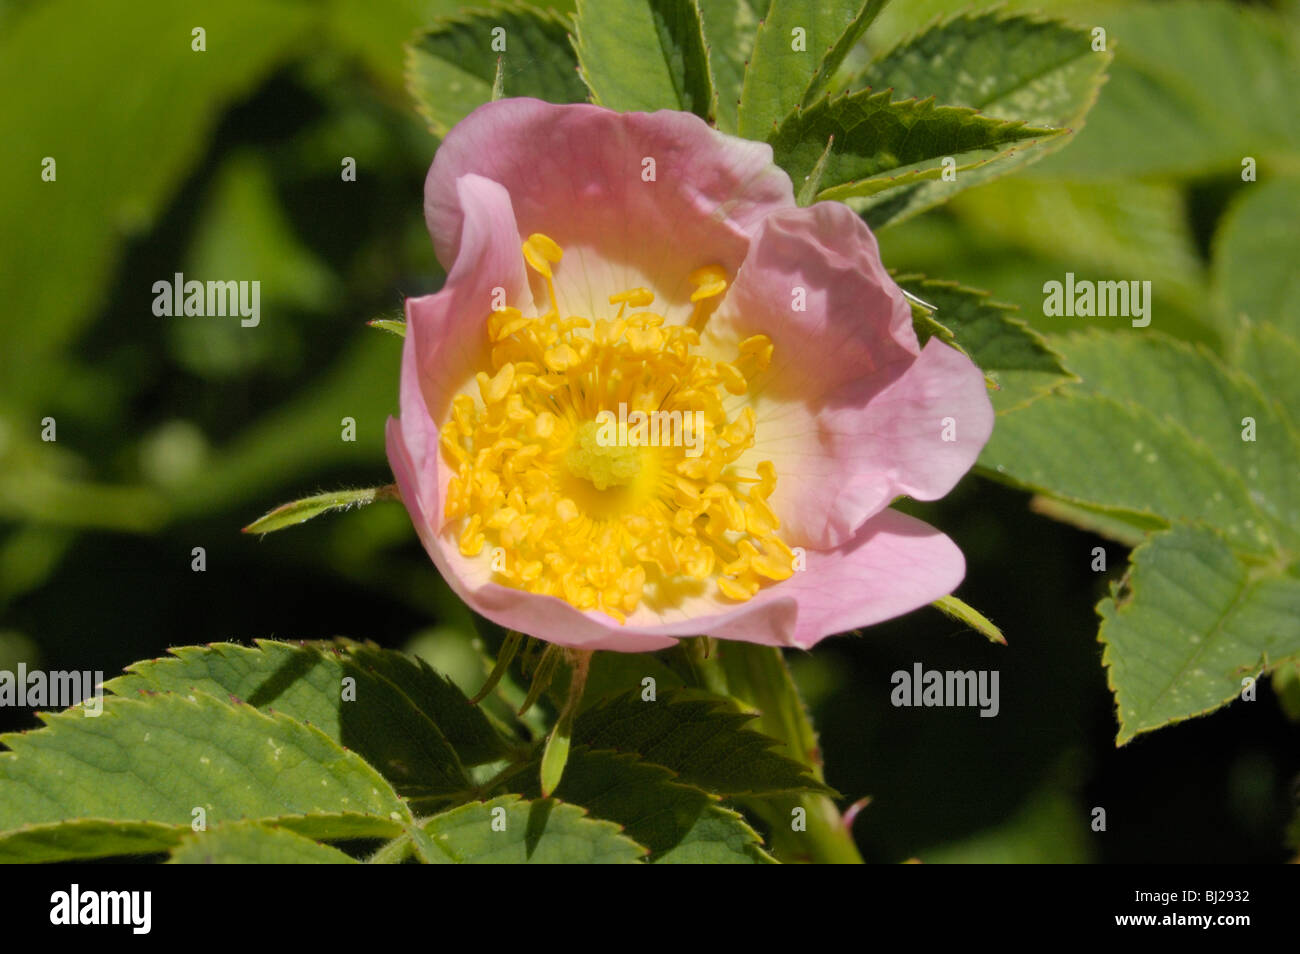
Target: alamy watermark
x,y
208,299
1088,299
933,687
59,689
651,429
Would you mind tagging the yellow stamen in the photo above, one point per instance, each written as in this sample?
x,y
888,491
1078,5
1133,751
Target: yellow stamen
x,y
600,458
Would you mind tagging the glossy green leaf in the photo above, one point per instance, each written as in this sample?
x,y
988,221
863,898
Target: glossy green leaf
x,y
718,837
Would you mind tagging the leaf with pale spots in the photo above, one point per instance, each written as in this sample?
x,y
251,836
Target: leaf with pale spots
x,y
156,758
1191,622
508,830
250,843
409,722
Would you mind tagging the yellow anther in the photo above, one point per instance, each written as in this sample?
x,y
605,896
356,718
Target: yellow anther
x,y
645,340
732,379
589,518
541,252
634,297
758,347
561,358
495,388
710,280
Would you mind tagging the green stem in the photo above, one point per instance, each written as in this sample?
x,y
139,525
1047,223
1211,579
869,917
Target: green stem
x,y
758,677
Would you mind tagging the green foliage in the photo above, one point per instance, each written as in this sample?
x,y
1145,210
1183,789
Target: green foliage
x,y
876,144
644,54
1014,357
1013,68
703,741
1195,87
451,68
232,754
1191,623
249,843
797,48
538,832
298,511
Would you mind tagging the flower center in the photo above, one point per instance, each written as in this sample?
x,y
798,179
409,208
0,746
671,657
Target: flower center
x,y
599,463
603,463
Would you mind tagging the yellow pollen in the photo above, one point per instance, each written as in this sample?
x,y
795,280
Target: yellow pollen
x,y
598,461
604,464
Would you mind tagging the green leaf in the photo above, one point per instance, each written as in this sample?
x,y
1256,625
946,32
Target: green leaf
x,y
121,160
1014,356
248,843
472,733
643,55
704,742
1192,623
451,68
371,716
1270,359
1188,387
157,758
718,837
798,47
729,27
880,144
1256,250
507,830
654,809
1116,230
1195,88
1096,451
1127,528
1009,67
300,511
392,325
965,613
87,838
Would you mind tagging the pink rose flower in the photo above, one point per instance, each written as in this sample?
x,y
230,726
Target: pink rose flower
x,y
604,272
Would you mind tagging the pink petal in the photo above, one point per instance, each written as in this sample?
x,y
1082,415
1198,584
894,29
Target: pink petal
x,y
575,173
848,412
448,330
894,565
